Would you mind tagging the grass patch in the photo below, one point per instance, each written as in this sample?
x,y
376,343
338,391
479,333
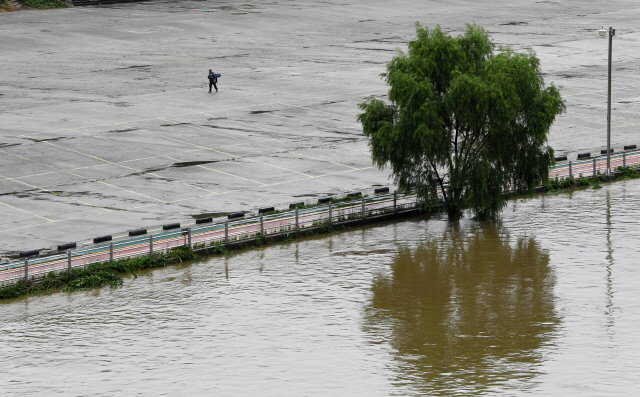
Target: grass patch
x,y
45,4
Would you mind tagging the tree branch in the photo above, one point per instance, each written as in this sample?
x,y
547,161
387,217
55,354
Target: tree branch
x,y
440,180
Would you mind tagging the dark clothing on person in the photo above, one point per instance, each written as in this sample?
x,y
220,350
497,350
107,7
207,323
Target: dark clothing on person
x,y
213,80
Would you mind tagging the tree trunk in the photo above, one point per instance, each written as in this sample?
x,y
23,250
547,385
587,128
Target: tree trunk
x,y
453,204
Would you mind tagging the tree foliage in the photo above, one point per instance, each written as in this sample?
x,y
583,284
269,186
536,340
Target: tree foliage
x,y
465,123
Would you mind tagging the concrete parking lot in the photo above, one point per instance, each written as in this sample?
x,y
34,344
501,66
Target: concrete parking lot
x,y
106,124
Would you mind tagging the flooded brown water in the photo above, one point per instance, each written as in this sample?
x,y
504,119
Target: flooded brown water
x,y
546,301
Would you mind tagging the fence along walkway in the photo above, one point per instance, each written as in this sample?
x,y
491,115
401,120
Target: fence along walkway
x,y
592,167
298,219
249,228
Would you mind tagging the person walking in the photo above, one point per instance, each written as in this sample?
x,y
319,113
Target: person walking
x,y
213,80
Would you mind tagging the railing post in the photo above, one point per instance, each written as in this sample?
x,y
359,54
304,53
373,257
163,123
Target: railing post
x,y
395,198
226,231
189,236
296,219
594,168
26,271
111,252
69,261
150,245
570,169
624,161
330,214
364,215
261,226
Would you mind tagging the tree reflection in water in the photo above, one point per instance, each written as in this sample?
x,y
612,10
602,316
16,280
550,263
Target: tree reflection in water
x,y
466,311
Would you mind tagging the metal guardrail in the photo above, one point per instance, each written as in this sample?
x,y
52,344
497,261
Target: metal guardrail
x,y
248,228
200,236
595,165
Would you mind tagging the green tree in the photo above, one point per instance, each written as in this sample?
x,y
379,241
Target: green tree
x,y
464,123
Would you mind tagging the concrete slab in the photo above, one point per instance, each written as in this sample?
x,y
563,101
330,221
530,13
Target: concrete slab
x,y
99,104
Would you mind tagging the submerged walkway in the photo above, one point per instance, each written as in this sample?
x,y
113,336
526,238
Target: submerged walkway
x,y
594,166
294,220
200,236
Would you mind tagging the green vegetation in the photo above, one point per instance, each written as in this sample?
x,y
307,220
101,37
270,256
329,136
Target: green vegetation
x,y
628,173
463,116
557,185
97,274
6,6
43,4
106,273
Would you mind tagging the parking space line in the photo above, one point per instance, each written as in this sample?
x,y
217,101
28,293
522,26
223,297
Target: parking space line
x,y
572,112
575,133
57,194
315,158
236,156
131,191
282,117
273,184
575,125
297,153
210,169
123,166
32,161
314,110
202,166
334,146
176,201
208,130
194,113
226,173
156,155
351,150
58,171
26,212
574,102
246,158
205,148
583,93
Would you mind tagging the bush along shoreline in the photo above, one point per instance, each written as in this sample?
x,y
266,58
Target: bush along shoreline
x,y
556,185
5,5
97,274
110,273
44,4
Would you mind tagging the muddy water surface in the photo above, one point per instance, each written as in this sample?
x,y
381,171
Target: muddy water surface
x,y
546,301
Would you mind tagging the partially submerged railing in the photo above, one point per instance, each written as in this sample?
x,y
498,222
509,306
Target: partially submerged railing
x,y
594,166
200,236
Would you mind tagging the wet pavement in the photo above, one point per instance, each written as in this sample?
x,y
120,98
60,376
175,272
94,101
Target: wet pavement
x,y
106,124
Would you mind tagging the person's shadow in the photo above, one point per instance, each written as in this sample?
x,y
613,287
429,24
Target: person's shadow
x,y
467,311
